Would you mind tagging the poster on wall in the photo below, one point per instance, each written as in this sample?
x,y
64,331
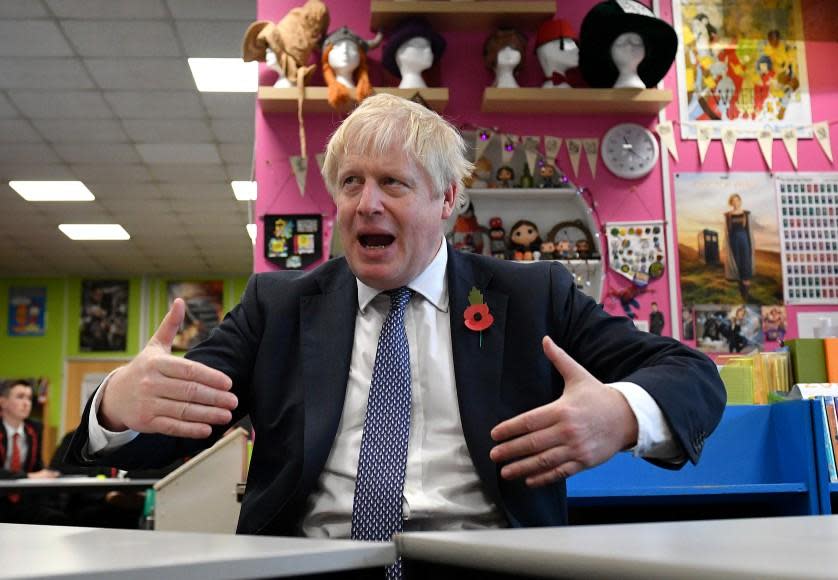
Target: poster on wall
x,y
808,207
728,239
293,242
729,329
27,308
742,65
204,310
104,315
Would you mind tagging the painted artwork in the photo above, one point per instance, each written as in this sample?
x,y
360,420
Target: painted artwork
x,y
728,239
204,310
733,329
104,315
27,308
741,64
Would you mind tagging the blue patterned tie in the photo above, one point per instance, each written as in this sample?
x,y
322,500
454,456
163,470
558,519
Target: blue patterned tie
x,y
377,509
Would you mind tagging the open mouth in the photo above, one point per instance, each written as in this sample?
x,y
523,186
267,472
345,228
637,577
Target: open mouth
x,y
376,241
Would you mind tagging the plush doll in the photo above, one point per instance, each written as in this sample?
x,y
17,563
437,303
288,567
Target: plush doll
x,y
524,239
344,63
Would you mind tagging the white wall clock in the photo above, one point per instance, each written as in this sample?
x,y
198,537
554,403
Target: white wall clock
x,y
630,150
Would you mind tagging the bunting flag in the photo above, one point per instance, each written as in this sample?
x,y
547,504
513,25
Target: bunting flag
x,y
321,159
574,149
822,135
667,136
531,143
729,145
481,140
299,165
551,148
766,144
704,136
508,149
591,147
790,141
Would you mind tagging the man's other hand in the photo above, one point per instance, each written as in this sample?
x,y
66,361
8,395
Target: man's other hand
x,y
158,392
587,425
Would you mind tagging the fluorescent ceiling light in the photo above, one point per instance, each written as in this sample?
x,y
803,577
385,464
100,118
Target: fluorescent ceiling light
x,y
94,231
224,75
244,190
52,190
251,231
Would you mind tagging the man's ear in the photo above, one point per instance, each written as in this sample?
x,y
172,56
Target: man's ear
x,y
449,200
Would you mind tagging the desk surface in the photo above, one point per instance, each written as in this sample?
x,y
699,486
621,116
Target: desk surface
x,y
91,553
72,482
793,547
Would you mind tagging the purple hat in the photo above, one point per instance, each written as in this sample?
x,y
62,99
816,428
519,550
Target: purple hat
x,y
405,31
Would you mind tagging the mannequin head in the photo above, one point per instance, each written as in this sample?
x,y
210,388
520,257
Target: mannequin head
x,y
503,53
627,52
556,50
344,57
411,49
413,57
344,64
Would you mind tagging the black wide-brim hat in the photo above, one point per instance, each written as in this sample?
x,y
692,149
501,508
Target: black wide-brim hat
x,y
608,20
405,31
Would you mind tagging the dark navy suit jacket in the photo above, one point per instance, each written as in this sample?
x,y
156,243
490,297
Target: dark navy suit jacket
x,y
287,347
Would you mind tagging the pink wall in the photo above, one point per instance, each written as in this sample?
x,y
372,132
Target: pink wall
x,y
615,199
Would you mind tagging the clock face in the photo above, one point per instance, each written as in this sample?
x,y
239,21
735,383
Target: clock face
x,y
629,150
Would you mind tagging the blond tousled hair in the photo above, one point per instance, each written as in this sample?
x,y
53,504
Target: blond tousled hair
x,y
383,120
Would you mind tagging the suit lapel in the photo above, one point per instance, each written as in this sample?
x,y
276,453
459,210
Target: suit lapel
x,y
327,329
477,369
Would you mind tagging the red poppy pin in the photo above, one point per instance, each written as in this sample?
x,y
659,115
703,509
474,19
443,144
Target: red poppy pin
x,y
477,315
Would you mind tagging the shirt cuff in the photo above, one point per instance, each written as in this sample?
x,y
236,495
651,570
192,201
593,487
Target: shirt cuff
x,y
99,439
654,439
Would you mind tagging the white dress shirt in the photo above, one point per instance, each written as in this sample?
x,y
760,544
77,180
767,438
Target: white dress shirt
x,y
442,489
22,445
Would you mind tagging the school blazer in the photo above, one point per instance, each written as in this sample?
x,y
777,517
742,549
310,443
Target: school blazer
x,y
287,347
31,461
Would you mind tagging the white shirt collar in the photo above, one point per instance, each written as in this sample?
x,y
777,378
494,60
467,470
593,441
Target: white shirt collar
x,y
431,283
10,431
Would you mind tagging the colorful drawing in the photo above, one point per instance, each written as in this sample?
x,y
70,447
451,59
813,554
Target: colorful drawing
x,y
26,311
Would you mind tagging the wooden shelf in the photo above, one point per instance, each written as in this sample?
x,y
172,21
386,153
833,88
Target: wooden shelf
x,y
575,101
274,100
520,193
483,15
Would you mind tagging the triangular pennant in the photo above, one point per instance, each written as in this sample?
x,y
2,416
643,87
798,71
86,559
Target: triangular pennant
x,y
822,135
729,145
765,138
551,148
591,147
321,159
508,150
704,137
574,149
667,136
299,165
531,150
790,141
481,141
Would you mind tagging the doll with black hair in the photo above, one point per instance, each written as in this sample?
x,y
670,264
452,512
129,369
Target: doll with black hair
x,y
524,239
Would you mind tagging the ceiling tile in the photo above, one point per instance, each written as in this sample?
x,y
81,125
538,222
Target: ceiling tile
x,y
107,9
226,105
32,38
18,131
219,189
170,131
81,131
27,153
35,172
238,172
109,153
213,9
206,218
188,173
156,105
220,206
115,39
6,109
190,153
130,207
61,105
140,193
145,73
21,9
112,173
233,130
212,39
233,153
43,73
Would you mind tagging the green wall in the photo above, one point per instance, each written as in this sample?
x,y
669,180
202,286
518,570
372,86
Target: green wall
x,y
36,356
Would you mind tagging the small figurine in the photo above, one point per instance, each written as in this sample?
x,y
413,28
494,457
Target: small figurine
x,y
497,238
467,234
583,249
565,249
505,177
548,250
480,176
547,173
524,239
526,181
656,320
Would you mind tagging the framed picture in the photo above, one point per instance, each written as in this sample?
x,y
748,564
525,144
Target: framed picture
x,y
27,308
293,242
104,315
204,309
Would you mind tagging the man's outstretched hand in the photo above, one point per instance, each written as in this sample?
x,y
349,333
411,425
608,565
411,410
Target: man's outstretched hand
x,y
158,392
587,425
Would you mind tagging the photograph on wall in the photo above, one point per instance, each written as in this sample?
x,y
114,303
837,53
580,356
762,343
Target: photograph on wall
x,y
742,65
729,329
293,242
104,315
774,322
728,239
27,309
204,310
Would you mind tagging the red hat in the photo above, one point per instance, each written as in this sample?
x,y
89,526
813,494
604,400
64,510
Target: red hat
x,y
553,30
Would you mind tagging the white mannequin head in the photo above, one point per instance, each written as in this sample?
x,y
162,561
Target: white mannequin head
x,y
627,52
272,61
344,58
557,56
508,58
413,57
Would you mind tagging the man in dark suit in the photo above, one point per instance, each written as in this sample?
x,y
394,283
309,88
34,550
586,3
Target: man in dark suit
x,y
514,379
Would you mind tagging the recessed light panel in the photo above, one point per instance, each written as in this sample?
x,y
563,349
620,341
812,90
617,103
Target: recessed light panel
x,y
224,75
94,231
244,190
52,190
